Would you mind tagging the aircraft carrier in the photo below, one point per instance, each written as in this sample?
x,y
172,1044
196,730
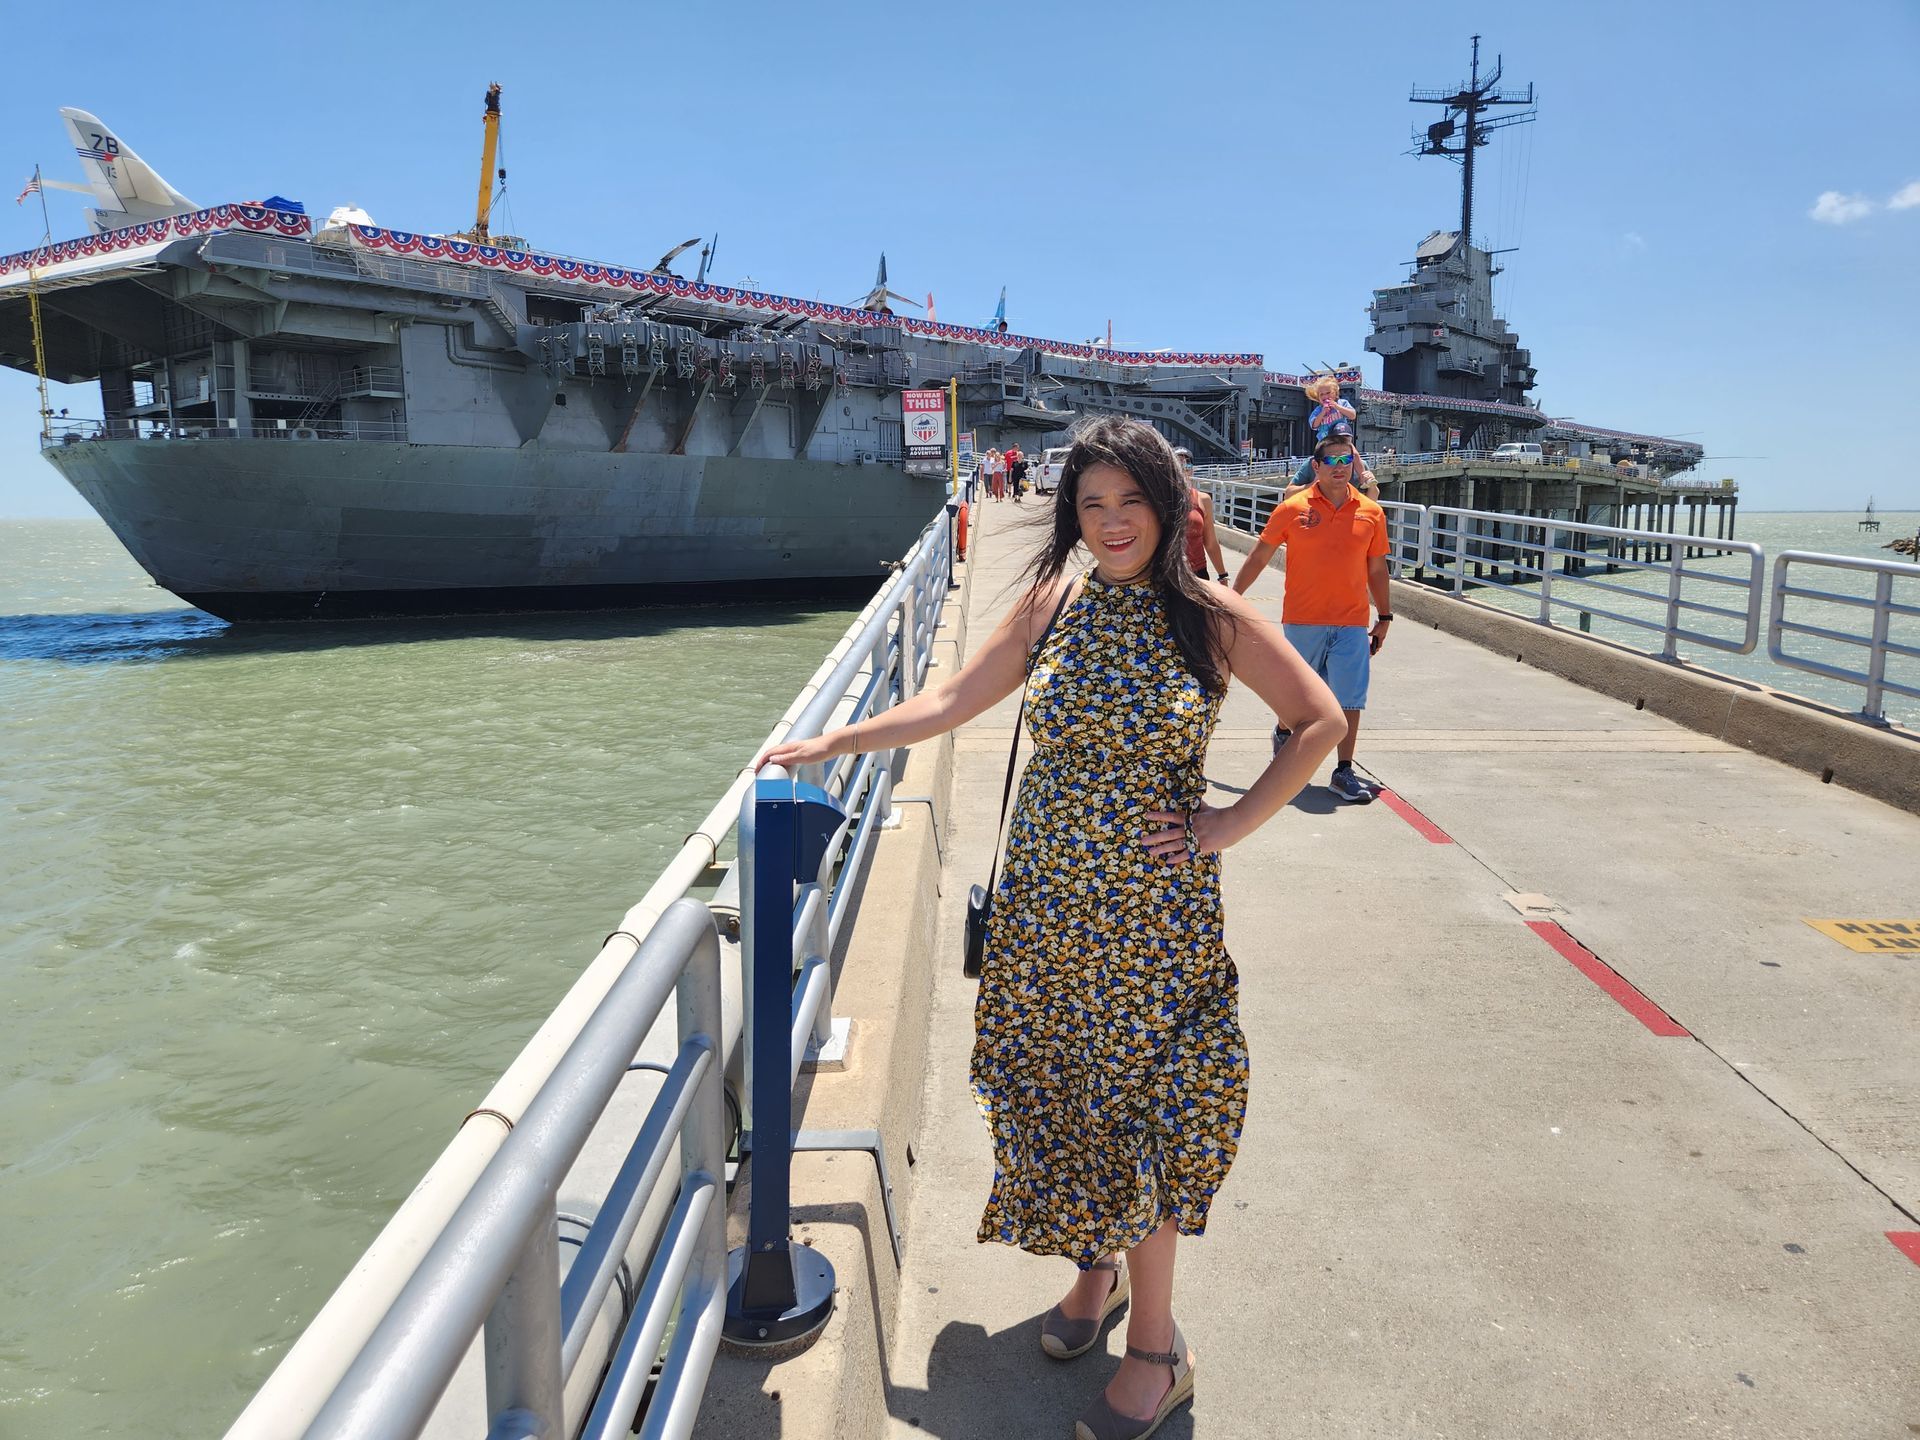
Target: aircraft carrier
x,y
341,420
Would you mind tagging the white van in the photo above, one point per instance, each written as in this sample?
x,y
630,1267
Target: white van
x,y
1047,478
1519,452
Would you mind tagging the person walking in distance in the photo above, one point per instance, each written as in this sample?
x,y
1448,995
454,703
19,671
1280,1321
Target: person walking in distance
x,y
1336,541
1108,1058
1016,464
1203,542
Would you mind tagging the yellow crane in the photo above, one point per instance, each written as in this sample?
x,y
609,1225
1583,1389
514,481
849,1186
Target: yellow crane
x,y
491,120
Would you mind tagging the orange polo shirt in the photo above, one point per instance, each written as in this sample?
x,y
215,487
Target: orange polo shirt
x,y
1327,554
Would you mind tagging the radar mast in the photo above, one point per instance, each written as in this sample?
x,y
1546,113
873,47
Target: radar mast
x,y
1461,129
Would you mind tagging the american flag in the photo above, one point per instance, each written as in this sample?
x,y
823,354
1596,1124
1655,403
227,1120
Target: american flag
x,y
32,188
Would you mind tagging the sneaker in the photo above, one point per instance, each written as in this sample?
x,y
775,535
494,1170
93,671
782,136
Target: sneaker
x,y
1349,786
1280,737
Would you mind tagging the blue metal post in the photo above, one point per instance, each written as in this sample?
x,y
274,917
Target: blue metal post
x,y
778,1292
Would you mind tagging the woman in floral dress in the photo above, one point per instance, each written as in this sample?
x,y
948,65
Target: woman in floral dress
x,y
1108,1058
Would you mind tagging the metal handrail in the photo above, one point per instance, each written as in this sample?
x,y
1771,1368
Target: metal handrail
x,y
868,678
494,1267
1407,535
1450,548
1245,469
1246,505
1381,460
308,1374
362,378
73,432
1877,641
1435,538
1439,538
794,902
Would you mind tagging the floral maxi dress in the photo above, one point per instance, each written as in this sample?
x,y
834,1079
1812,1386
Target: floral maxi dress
x,y
1108,1058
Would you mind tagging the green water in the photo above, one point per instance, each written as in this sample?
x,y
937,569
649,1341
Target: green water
x,y
276,908
1829,533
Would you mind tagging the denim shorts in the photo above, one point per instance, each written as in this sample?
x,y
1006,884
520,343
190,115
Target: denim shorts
x,y
1339,655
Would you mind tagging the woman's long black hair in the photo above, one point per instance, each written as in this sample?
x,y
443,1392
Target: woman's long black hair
x,y
1199,621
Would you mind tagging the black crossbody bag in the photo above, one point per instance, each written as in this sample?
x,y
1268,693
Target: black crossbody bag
x,y
980,898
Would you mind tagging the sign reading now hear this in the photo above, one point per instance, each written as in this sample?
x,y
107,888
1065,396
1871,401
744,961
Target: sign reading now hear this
x,y
1870,936
924,414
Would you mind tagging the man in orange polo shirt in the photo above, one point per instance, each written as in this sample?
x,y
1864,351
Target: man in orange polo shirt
x,y
1336,541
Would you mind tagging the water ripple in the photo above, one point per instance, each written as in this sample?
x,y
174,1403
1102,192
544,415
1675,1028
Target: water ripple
x,y
277,904
105,636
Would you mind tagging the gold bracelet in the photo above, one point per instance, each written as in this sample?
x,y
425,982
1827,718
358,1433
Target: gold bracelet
x,y
856,737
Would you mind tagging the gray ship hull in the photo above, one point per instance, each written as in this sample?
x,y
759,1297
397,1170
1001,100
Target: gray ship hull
x,y
365,422
311,529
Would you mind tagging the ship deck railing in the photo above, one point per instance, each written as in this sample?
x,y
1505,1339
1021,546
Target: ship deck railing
x,y
342,262
1662,589
76,432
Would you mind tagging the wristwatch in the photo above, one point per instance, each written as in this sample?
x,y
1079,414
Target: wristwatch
x,y
1383,616
1223,577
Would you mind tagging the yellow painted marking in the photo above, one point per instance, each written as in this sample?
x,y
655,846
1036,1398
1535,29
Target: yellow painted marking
x,y
1871,936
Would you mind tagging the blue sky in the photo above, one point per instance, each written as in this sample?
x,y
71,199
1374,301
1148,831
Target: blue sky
x,y
1218,177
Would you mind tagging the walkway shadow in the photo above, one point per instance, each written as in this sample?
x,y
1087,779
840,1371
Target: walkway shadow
x,y
985,1387
124,637
1313,799
1317,800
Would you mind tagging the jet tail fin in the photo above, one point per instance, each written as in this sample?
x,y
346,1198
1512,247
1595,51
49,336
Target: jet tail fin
x,y
126,190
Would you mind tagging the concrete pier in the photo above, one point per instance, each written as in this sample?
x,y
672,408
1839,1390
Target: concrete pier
x,y
1578,490
1564,1121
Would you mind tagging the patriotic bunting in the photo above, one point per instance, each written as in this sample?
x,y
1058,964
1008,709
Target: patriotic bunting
x,y
640,282
156,232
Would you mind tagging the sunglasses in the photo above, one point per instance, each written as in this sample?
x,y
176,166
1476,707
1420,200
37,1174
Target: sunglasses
x,y
1334,460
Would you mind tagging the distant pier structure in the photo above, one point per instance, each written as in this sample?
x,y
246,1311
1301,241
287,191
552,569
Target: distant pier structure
x,y
1583,491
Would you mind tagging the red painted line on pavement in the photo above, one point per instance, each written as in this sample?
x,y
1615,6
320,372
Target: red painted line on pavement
x,y
1414,818
1907,1242
1608,979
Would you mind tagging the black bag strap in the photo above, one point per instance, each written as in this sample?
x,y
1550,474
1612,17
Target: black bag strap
x,y
1019,719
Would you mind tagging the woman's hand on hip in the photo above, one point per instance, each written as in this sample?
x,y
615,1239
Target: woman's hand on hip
x,y
1180,836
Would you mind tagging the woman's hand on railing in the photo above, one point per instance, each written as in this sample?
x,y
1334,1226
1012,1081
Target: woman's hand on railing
x,y
789,754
